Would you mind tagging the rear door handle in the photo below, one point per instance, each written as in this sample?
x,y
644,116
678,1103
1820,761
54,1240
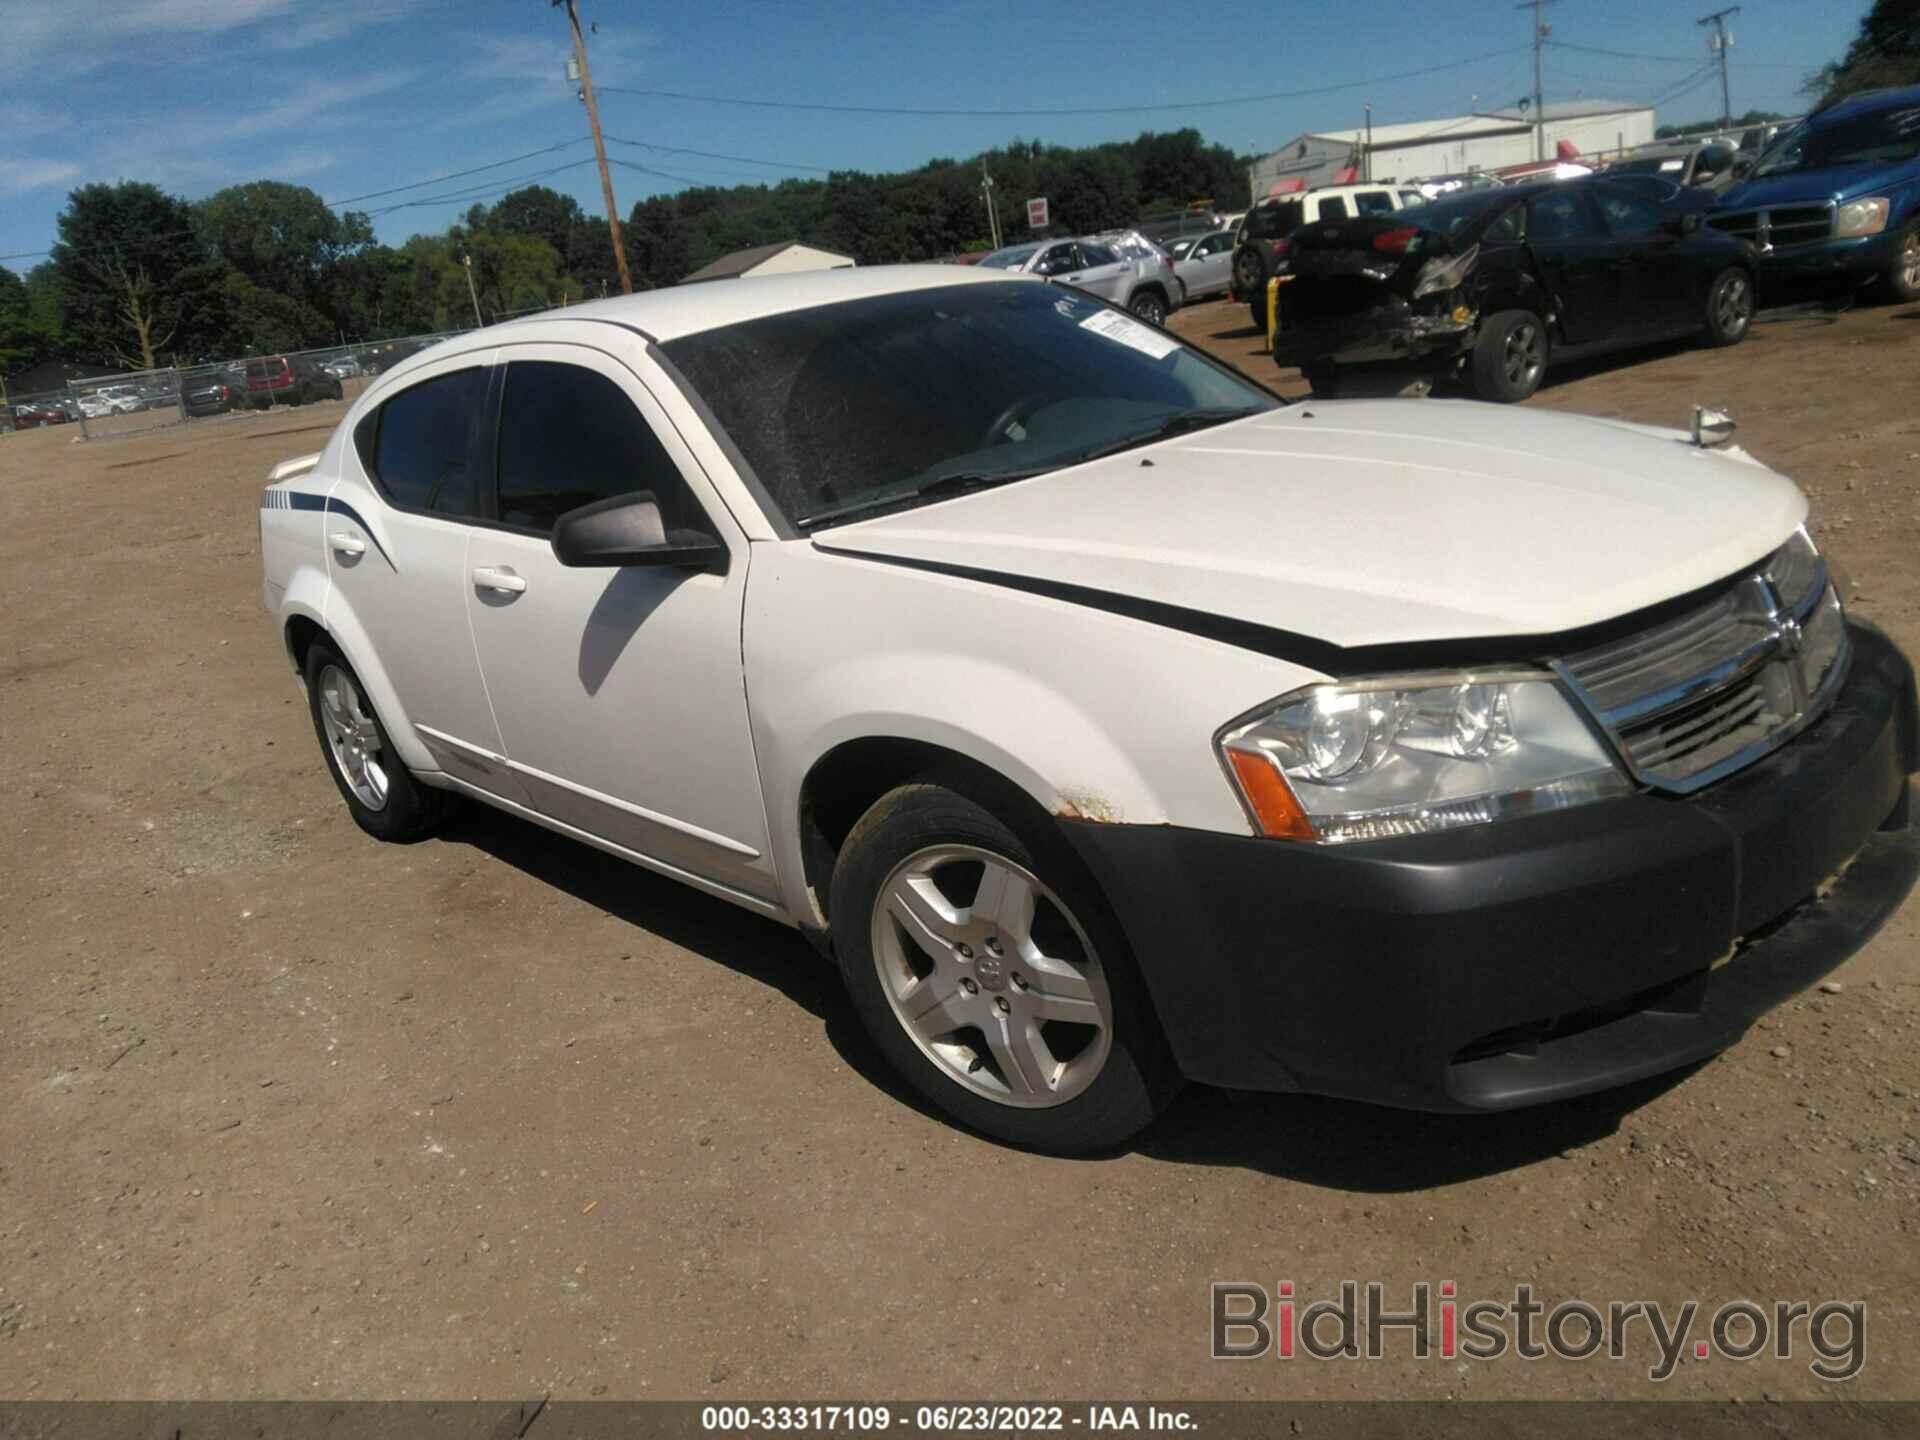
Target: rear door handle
x,y
346,543
499,577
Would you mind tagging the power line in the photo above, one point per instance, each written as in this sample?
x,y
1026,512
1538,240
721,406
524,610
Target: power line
x,y
716,155
1062,110
457,174
480,192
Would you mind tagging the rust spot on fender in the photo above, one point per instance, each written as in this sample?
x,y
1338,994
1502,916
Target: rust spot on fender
x,y
1087,805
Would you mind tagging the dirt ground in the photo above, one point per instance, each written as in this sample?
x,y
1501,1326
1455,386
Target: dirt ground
x,y
287,1113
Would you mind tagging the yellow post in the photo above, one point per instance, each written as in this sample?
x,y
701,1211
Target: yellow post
x,y
1273,309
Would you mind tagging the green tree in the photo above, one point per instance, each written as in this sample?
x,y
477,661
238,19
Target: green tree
x,y
22,341
1885,52
283,238
129,271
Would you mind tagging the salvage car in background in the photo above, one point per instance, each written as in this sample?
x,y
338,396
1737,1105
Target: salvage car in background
x,y
1707,166
1835,201
216,393
1139,282
1547,760
1494,286
1264,237
1206,267
289,380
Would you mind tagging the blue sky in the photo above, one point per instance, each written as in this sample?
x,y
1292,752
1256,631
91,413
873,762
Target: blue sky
x,y
353,96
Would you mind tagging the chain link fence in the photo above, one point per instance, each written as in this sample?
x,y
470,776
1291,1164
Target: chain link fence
x,y
140,401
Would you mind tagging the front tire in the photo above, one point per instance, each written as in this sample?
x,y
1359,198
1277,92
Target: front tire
x,y
1903,275
1729,307
1510,357
992,978
381,793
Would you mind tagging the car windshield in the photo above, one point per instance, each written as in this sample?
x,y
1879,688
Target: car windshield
x,y
843,411
1886,136
1011,258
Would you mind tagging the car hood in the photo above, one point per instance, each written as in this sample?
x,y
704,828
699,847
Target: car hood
x,y
1810,187
1371,522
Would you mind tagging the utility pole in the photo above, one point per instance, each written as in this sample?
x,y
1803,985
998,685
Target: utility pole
x,y
1540,32
1722,42
993,213
472,294
599,146
1369,150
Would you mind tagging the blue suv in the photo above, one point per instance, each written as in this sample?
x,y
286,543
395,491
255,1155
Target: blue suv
x,y
1837,198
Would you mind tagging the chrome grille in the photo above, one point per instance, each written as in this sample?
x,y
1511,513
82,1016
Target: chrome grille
x,y
1782,225
1696,697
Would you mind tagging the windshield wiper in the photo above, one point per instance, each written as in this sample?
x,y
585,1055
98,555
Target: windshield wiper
x,y
939,488
1181,422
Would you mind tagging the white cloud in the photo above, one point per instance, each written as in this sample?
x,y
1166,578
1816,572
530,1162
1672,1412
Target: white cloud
x,y
27,175
53,38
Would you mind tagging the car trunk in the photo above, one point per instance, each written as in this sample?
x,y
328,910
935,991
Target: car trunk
x,y
1351,296
1348,267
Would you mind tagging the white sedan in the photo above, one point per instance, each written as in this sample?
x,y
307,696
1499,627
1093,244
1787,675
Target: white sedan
x,y
1110,722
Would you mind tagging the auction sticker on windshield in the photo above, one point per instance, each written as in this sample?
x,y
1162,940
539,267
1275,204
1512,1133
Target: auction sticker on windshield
x,y
1130,332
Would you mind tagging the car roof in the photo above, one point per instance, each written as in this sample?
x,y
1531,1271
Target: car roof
x,y
679,310
1867,102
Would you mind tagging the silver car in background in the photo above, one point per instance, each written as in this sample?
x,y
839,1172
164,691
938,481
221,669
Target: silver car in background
x,y
1205,267
1132,279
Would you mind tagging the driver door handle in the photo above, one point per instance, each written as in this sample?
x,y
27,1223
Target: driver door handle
x,y
345,543
500,578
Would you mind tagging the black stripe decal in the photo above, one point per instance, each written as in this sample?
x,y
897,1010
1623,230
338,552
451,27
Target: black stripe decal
x,y
306,500
1321,655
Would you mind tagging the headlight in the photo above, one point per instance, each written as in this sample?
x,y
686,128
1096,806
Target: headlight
x,y
1411,755
1861,217
1795,570
1445,274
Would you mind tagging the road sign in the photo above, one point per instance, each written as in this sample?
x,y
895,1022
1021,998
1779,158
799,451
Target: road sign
x,y
1037,214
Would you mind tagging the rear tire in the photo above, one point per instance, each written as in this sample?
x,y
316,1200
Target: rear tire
x,y
1729,307
1510,357
382,795
1034,1027
1323,377
1903,275
1150,307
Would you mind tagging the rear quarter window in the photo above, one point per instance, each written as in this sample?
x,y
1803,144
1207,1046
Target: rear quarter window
x,y
1373,202
420,448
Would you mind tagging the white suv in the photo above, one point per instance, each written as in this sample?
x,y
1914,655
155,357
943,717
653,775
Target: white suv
x,y
1123,267
1108,721
1264,234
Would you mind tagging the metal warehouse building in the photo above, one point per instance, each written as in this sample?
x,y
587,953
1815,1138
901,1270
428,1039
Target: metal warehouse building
x,y
1450,147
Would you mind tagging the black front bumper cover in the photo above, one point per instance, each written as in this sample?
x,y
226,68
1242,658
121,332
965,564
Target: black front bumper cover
x,y
1538,958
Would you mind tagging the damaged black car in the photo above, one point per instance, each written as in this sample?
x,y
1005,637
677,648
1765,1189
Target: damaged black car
x,y
1490,288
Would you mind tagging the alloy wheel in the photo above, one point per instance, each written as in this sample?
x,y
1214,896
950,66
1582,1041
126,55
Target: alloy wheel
x,y
1910,261
1522,357
1733,307
991,976
353,737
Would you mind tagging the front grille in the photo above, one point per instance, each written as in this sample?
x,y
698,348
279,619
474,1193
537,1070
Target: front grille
x,y
1694,698
1781,225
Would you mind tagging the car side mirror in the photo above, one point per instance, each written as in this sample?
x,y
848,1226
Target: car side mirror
x,y
1742,168
1687,222
629,530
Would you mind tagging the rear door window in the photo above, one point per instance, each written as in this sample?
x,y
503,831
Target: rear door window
x,y
1561,216
570,436
1627,214
1373,202
1333,208
424,441
1093,255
